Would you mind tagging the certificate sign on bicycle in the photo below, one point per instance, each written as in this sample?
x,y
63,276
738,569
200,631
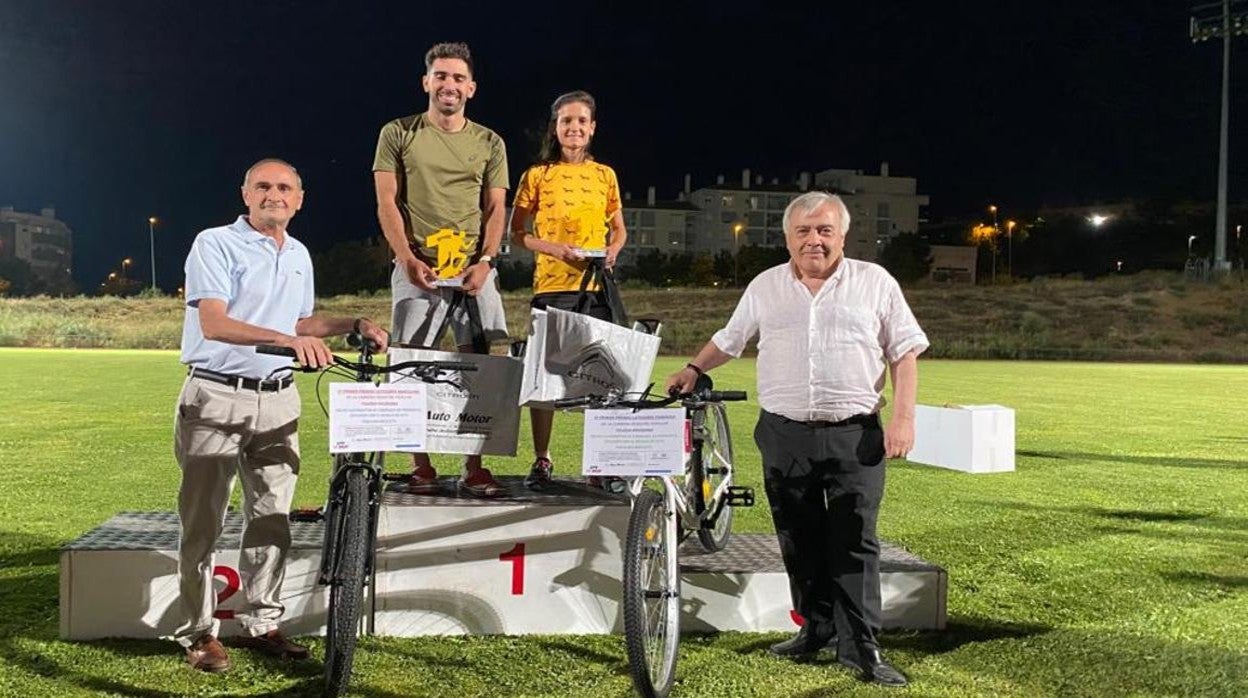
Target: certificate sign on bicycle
x,y
365,417
624,443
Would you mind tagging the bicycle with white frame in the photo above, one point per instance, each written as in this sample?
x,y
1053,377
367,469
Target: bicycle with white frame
x,y
665,511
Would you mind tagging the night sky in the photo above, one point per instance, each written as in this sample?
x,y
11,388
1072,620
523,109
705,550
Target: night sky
x,y
114,110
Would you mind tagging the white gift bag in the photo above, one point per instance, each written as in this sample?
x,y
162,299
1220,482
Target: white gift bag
x,y
573,355
478,414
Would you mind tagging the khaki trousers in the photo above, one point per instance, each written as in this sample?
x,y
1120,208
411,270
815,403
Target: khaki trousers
x,y
222,432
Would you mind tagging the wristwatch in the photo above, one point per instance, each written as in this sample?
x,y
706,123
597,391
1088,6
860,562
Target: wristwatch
x,y
488,259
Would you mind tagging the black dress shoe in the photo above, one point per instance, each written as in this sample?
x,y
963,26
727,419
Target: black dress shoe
x,y
806,643
871,666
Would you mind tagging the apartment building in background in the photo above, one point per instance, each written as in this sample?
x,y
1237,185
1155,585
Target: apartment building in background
x,y
726,216
40,240
751,211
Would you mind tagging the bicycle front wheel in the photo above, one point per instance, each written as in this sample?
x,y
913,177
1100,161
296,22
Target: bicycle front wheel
x,y
651,596
346,589
715,454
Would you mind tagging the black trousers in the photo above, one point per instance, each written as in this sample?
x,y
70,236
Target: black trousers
x,y
824,483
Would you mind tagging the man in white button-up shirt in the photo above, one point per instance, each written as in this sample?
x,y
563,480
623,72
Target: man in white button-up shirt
x,y
828,328
247,283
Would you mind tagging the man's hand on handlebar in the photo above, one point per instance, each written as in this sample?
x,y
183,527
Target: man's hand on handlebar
x,y
309,351
379,337
681,382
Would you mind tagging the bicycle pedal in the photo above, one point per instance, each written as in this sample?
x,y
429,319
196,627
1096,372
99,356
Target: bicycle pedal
x,y
307,515
661,594
739,497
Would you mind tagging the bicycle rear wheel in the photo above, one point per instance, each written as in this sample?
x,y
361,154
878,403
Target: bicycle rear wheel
x,y
715,452
346,589
651,596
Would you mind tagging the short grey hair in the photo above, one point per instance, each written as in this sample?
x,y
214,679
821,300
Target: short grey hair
x,y
812,200
272,161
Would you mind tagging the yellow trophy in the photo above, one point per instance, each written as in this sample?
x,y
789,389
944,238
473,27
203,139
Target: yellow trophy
x,y
453,251
588,228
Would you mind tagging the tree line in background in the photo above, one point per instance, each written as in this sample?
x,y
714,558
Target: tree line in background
x,y
18,278
1152,237
364,266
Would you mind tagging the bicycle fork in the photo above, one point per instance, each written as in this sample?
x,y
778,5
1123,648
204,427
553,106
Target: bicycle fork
x,y
330,544
671,522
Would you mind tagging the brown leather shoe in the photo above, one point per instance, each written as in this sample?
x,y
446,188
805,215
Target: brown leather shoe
x,y
207,654
275,644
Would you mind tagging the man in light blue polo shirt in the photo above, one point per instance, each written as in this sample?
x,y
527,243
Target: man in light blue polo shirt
x,y
247,283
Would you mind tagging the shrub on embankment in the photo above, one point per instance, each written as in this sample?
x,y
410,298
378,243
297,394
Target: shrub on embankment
x,y
1143,317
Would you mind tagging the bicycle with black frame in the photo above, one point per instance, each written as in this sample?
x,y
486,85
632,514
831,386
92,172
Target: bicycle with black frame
x,y
351,509
665,511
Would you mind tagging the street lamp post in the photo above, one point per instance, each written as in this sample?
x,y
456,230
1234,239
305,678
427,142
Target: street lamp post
x,y
1009,241
125,264
993,210
1239,250
151,242
1190,240
736,253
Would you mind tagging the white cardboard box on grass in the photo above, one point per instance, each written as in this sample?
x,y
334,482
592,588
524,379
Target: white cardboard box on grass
x,y
970,438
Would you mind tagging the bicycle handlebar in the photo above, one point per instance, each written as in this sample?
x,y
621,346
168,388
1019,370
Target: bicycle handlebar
x,y
725,396
701,395
461,366
275,350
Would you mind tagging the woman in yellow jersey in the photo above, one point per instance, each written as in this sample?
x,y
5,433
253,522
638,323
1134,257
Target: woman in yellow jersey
x,y
574,205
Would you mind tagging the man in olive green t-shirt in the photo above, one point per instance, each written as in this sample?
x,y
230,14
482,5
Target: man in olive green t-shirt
x,y
441,185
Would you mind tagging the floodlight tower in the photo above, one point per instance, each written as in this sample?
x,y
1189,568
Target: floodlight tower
x,y
1221,19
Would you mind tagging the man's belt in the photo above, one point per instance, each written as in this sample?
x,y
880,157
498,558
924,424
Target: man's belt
x,y
242,383
866,420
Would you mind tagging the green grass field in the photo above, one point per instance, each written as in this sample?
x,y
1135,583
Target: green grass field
x,y
1113,562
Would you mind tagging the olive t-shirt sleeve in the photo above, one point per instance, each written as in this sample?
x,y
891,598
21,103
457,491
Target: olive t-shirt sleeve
x,y
388,157
496,169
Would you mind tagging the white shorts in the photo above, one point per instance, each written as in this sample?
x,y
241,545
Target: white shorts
x,y
417,314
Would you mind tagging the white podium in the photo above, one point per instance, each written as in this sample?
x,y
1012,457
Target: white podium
x,y
548,563
545,563
969,438
121,579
